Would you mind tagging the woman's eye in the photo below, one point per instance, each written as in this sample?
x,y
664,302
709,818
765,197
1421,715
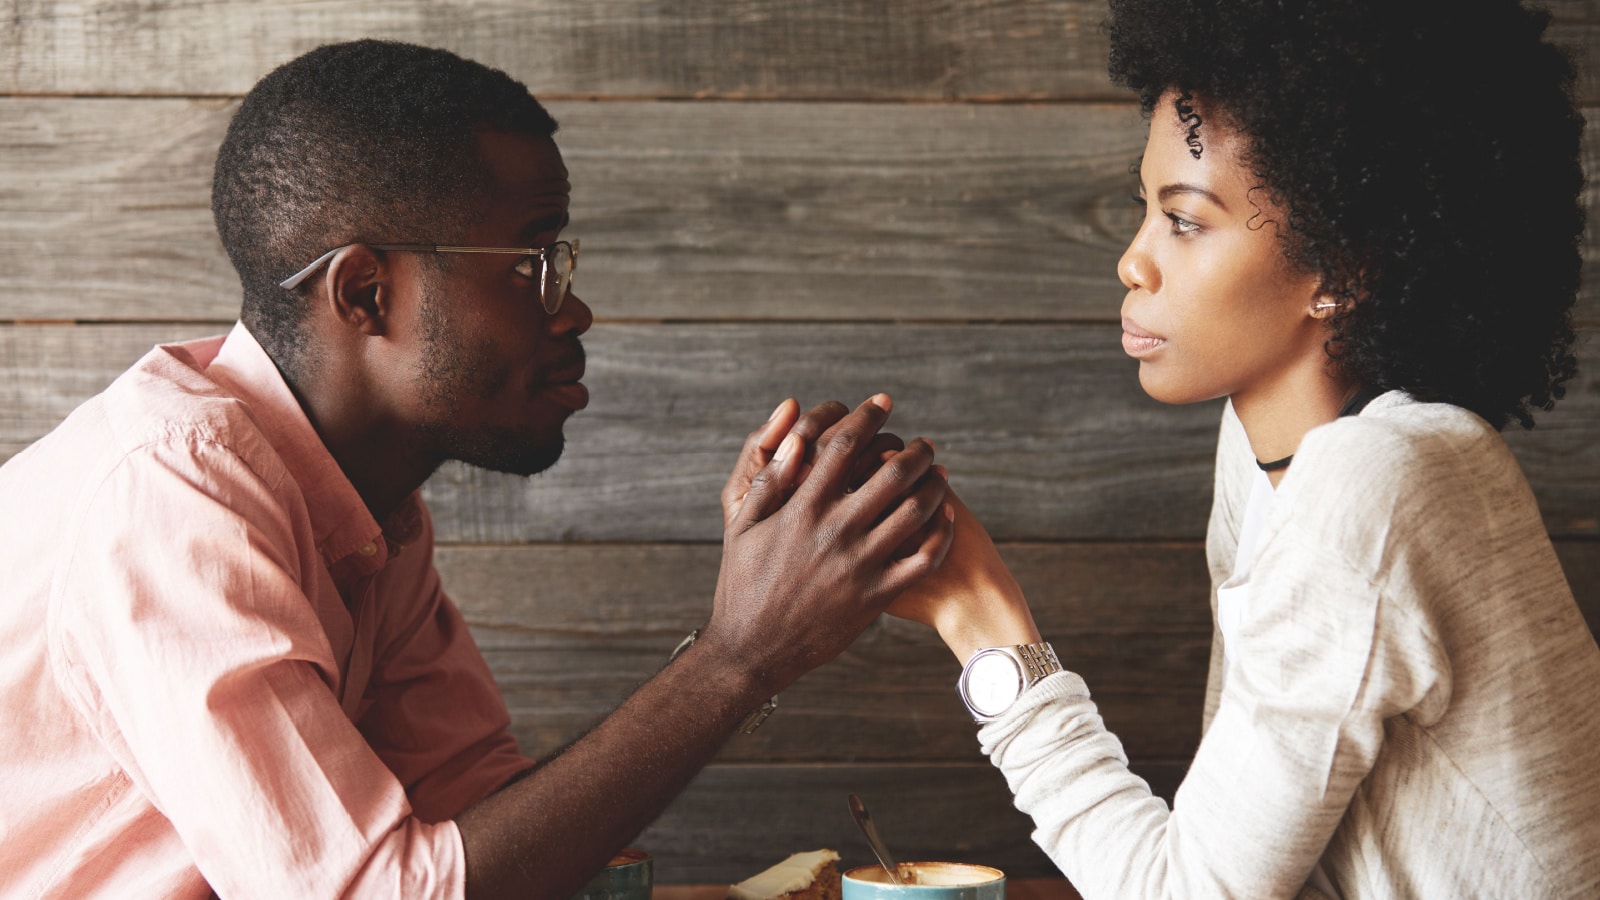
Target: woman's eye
x,y
1180,225
528,266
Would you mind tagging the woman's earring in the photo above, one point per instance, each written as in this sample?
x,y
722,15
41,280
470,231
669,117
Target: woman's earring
x,y
1320,310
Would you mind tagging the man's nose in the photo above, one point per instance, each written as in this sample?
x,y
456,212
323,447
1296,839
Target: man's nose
x,y
574,317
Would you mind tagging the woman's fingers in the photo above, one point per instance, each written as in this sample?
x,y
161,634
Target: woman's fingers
x,y
756,453
771,485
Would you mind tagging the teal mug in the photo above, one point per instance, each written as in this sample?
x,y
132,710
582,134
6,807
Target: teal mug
x,y
626,877
926,881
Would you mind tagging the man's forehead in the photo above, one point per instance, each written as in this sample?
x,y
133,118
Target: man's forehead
x,y
527,166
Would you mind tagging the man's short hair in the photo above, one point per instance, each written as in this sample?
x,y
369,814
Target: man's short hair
x,y
368,141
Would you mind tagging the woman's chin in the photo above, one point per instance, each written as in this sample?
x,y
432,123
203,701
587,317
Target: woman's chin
x,y
1173,392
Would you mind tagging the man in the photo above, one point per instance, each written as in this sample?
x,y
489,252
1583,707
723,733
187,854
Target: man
x,y
226,660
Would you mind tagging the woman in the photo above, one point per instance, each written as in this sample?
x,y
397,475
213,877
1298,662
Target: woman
x,y
1361,226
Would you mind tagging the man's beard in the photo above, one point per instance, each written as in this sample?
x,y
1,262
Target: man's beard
x,y
451,373
496,448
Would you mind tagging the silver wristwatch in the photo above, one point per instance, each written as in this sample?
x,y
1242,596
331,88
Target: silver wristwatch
x,y
752,721
995,677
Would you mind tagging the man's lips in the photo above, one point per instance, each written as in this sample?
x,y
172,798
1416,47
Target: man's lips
x,y
568,374
1136,341
564,385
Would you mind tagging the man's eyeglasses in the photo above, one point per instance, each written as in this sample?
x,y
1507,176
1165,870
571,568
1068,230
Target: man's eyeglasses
x,y
556,262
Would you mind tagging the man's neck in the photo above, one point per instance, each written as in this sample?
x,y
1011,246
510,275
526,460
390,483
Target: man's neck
x,y
384,466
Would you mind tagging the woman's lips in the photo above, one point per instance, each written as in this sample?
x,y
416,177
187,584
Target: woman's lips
x,y
1138,342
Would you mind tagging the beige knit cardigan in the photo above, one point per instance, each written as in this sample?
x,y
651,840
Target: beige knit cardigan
x,y
1412,699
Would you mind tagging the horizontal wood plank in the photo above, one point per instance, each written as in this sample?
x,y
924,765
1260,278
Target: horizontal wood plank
x,y
828,49
835,49
734,821
1044,428
687,211
571,630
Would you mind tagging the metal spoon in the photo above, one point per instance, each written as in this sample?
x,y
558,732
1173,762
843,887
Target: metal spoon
x,y
858,811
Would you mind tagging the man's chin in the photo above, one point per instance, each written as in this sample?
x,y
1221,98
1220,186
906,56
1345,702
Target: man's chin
x,y
506,451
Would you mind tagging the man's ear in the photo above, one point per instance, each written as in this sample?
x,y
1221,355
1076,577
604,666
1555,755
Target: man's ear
x,y
357,285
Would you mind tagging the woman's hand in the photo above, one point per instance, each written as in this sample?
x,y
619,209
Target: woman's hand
x,y
972,600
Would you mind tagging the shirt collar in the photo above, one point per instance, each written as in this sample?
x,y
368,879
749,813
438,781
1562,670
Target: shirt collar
x,y
340,521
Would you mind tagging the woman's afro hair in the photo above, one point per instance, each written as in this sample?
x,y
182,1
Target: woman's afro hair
x,y
1427,153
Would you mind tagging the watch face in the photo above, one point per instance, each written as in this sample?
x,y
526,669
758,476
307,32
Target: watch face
x,y
993,683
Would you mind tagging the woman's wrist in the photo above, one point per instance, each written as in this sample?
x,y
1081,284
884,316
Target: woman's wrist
x,y
996,617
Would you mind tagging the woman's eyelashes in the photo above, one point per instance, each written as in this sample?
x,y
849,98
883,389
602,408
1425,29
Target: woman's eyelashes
x,y
1181,226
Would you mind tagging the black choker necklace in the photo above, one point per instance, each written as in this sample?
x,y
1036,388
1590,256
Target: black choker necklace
x,y
1354,405
1276,464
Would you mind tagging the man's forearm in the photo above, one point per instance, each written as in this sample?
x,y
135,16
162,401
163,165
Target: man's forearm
x,y
544,835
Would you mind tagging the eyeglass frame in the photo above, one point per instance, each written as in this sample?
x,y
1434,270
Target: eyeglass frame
x,y
544,255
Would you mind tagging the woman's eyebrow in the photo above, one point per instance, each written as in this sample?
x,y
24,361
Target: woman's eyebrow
x,y
1168,190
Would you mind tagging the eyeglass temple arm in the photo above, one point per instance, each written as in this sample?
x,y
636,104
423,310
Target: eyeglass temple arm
x,y
295,280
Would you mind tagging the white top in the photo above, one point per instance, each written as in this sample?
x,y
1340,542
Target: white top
x,y
1408,697
1233,595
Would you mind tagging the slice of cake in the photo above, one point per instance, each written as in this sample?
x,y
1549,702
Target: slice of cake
x,y
803,876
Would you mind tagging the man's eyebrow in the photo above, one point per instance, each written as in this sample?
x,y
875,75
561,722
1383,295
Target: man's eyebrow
x,y
544,225
1168,190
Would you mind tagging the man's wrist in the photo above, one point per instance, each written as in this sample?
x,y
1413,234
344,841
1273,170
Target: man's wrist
x,y
746,684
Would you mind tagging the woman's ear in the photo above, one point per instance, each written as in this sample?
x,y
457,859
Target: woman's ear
x,y
357,284
1324,303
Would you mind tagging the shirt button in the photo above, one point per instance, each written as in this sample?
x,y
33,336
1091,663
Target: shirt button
x,y
368,549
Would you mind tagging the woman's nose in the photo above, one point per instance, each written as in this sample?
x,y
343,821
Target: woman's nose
x,y
1136,269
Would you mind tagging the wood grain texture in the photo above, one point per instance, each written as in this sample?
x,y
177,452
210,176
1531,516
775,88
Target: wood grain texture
x,y
688,211
734,821
1044,427
902,49
571,630
832,49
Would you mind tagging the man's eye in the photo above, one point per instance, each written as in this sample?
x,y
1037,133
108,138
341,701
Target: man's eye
x,y
528,266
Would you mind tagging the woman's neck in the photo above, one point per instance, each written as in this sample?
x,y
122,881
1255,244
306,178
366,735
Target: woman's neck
x,y
1276,417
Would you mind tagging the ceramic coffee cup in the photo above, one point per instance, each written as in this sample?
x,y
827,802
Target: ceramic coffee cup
x,y
926,881
626,877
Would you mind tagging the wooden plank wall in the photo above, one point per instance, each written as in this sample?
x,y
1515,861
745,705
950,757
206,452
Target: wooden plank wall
x,y
817,199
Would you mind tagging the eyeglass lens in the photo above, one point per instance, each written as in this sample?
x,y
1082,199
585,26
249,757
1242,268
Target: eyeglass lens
x,y
556,277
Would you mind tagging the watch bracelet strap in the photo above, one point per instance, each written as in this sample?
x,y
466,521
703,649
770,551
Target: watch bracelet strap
x,y
1040,659
749,723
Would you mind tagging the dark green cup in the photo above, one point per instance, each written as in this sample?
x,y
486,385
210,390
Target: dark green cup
x,y
626,877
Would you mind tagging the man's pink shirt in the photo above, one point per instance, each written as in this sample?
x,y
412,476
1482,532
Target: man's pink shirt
x,y
217,671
